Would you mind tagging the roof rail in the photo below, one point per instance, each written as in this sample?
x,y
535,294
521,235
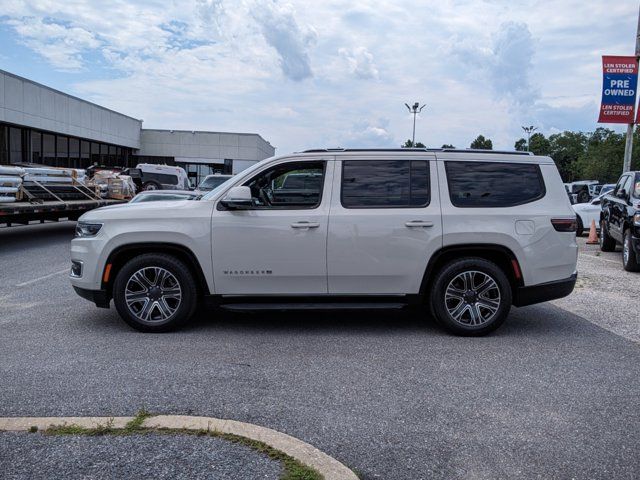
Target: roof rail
x,y
451,150
479,150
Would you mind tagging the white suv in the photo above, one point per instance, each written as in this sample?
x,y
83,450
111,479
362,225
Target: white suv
x,y
465,233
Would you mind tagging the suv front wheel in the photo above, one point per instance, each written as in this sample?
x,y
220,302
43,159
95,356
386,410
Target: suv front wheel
x,y
471,296
155,293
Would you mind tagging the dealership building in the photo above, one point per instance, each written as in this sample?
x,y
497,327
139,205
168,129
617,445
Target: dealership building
x,y
45,126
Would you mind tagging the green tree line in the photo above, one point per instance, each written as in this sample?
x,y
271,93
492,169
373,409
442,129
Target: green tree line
x,y
596,155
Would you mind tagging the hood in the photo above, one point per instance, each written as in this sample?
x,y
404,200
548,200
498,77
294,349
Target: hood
x,y
147,210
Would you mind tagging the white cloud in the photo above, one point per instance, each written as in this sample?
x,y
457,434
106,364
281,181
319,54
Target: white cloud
x,y
293,70
281,30
360,62
62,46
369,133
505,64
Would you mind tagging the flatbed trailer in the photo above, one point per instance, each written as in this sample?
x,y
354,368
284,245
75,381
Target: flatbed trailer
x,y
24,213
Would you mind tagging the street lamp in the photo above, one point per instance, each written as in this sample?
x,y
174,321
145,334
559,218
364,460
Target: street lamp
x,y
415,109
529,131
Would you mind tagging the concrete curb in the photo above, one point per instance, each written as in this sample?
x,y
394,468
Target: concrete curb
x,y
327,466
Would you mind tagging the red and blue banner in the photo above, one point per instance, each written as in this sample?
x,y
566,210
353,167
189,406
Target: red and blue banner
x,y
619,84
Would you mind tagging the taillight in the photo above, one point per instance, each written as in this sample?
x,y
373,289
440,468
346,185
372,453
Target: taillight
x,y
564,224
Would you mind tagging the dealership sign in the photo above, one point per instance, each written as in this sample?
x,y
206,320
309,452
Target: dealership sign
x,y
620,79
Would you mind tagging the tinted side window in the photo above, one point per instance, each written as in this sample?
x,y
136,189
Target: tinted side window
x,y
628,185
385,183
493,184
160,178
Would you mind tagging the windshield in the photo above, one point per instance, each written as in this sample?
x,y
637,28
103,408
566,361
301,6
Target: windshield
x,y
212,182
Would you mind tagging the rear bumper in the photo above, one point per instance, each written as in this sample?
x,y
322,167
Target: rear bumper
x,y
543,292
100,297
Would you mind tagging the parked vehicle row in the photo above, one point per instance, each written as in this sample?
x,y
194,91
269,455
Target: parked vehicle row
x,y
464,235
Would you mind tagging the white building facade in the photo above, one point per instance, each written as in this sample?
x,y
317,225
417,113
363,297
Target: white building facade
x,y
42,125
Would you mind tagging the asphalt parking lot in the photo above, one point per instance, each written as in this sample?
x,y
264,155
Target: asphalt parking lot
x,y
549,395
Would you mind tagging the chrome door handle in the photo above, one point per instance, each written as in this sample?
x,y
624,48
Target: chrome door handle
x,y
305,225
418,223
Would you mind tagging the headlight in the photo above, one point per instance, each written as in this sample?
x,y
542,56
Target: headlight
x,y
636,219
87,229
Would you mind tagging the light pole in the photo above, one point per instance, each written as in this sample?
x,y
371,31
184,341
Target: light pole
x,y
529,131
415,109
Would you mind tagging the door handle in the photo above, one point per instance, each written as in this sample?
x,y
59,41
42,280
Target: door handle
x,y
305,225
418,223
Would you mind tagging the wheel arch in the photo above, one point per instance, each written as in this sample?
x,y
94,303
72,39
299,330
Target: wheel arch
x,y
502,256
122,254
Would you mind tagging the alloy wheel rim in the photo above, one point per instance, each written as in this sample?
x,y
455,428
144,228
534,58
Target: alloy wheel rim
x,y
625,251
472,298
153,294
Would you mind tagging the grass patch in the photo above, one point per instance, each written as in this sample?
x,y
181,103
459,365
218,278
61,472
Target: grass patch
x,y
292,468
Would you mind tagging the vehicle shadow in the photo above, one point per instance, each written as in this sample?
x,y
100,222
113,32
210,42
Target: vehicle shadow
x,y
534,321
17,239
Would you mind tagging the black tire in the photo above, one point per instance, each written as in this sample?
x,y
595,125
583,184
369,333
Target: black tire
x,y
580,227
607,244
629,257
151,185
168,313
449,275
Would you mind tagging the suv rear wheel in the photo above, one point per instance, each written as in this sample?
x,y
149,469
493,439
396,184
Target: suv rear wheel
x,y
629,258
155,293
471,296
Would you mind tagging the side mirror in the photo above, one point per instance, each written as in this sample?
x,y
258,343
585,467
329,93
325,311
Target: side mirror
x,y
238,198
622,193
597,201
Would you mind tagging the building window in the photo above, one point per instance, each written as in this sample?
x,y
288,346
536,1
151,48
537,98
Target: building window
x,y
95,153
48,149
4,147
15,145
85,154
62,151
36,147
74,152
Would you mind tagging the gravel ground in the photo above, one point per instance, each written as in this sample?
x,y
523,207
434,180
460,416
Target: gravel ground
x,y
605,293
37,456
549,395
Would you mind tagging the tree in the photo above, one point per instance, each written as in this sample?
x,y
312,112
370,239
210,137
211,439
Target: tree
x,y
409,144
602,158
539,145
482,143
520,145
566,149
447,145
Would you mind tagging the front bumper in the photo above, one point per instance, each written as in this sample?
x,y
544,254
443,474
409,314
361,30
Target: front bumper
x,y
100,297
544,292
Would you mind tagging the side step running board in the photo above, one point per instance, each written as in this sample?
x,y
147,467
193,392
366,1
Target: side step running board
x,y
311,306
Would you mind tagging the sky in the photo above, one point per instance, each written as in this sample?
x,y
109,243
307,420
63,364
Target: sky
x,y
329,73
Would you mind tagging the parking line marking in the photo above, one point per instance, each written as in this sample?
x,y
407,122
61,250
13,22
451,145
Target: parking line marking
x,y
600,258
44,277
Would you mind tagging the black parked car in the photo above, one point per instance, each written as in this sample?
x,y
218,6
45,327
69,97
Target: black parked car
x,y
620,220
